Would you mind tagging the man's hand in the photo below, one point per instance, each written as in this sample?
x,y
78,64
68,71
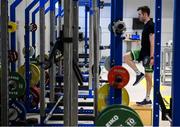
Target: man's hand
x,y
151,62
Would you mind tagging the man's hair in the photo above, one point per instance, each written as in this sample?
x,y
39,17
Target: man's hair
x,y
144,9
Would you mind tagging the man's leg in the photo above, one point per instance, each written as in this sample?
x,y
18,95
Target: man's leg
x,y
129,61
147,100
148,77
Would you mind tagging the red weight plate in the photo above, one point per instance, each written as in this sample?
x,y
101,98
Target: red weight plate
x,y
35,92
118,77
47,78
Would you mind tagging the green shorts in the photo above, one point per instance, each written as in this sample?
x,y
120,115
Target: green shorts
x,y
135,54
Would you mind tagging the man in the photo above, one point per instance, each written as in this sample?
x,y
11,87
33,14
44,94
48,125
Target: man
x,y
147,49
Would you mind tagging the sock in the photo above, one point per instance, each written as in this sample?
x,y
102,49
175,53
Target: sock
x,y
138,72
147,98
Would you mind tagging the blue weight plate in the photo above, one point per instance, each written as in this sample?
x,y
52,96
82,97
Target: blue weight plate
x,y
17,111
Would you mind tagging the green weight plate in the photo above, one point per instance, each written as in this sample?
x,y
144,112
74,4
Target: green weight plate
x,y
118,117
34,74
118,106
17,85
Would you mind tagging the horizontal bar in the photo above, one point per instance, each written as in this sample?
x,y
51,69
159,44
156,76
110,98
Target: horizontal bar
x,y
80,117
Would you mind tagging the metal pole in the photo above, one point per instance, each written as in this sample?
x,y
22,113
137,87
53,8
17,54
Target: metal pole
x,y
52,41
91,44
42,50
59,30
51,112
96,54
13,35
27,62
176,69
68,62
86,33
34,32
157,56
4,62
116,48
74,89
60,18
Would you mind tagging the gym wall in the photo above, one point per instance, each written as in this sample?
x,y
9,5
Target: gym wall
x,y
129,12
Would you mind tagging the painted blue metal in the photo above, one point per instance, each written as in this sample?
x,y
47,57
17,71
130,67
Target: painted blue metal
x,y
157,56
34,21
27,38
80,111
46,11
85,96
116,47
90,7
83,2
13,35
86,2
52,6
86,32
34,33
107,4
176,67
58,110
60,13
41,3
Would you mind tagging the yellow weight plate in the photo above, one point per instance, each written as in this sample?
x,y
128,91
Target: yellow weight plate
x,y
103,93
34,74
12,27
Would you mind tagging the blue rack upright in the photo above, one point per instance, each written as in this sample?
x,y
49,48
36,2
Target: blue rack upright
x,y
176,68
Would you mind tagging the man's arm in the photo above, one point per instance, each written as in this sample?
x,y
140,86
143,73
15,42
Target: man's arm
x,y
151,37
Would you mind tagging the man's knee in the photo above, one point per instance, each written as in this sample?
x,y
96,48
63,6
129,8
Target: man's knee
x,y
127,57
148,76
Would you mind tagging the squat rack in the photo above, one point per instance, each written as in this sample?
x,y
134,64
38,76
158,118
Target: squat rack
x,y
176,110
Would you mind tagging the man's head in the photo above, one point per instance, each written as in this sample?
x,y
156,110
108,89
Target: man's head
x,y
143,13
